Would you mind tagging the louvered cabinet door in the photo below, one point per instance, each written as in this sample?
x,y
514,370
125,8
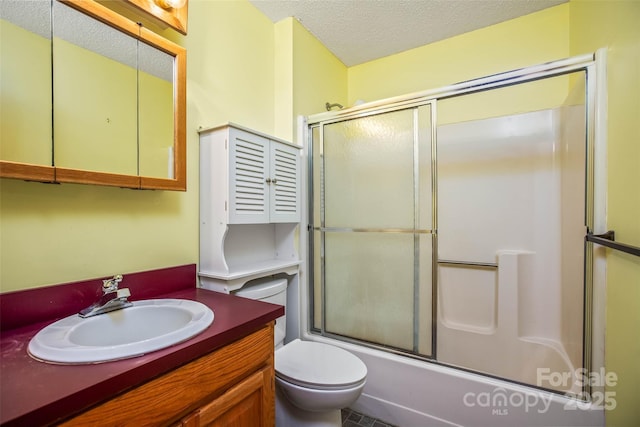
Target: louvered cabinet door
x,y
264,177
249,171
284,197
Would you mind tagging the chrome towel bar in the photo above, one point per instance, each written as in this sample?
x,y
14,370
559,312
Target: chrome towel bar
x,y
608,239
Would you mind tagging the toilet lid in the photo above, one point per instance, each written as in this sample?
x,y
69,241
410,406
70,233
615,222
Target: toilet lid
x,y
318,365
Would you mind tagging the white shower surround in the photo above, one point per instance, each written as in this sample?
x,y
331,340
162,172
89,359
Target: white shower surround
x,y
409,392
511,192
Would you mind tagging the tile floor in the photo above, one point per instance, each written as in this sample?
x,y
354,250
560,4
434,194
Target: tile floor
x,y
355,419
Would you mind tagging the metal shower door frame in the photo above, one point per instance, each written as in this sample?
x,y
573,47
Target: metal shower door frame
x,y
584,63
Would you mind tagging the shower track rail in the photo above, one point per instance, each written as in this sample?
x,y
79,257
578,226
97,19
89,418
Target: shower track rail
x,y
608,239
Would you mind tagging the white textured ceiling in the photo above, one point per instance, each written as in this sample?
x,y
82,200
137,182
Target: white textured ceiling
x,y
358,31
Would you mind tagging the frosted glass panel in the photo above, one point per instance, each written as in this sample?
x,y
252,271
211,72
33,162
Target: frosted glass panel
x,y
424,293
316,175
424,190
369,287
316,293
368,172
372,214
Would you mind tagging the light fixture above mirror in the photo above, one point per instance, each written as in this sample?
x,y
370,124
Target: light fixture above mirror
x,y
169,12
171,4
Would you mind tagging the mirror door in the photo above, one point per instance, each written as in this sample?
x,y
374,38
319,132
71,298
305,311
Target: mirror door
x,y
117,91
94,94
25,122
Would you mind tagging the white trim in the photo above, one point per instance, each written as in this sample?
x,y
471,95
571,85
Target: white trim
x,y
599,296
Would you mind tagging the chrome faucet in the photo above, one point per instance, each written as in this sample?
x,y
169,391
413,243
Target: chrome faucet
x,y
112,298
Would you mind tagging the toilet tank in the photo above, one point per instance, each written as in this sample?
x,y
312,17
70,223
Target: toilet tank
x,y
273,291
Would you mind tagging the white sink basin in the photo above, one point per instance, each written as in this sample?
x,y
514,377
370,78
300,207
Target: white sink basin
x,y
146,326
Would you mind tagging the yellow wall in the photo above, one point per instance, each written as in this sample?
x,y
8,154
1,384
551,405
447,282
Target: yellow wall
x,y
283,108
230,65
307,77
529,40
319,77
615,25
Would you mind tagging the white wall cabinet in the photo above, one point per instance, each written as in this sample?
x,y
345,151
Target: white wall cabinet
x,y
249,206
263,179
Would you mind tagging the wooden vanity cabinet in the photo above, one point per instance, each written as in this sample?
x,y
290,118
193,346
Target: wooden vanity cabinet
x,y
233,385
242,405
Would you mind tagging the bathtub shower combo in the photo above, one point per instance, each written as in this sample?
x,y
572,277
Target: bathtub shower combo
x,y
447,247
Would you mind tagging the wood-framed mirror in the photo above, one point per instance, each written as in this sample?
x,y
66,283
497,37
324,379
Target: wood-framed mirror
x,y
116,93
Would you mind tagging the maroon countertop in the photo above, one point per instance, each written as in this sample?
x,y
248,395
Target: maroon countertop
x,y
38,393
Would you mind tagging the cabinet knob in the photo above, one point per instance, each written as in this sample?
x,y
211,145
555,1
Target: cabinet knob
x,y
274,180
268,180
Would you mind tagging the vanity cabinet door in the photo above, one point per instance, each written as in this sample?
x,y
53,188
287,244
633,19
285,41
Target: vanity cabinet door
x,y
248,403
263,182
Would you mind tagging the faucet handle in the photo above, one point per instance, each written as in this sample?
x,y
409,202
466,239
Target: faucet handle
x,y
123,293
111,285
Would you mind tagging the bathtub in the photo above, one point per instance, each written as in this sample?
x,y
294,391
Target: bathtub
x,y
414,393
410,392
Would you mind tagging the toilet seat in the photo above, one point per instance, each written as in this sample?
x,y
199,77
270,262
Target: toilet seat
x,y
319,366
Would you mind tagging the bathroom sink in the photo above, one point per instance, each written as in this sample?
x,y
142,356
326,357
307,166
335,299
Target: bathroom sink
x,y
146,326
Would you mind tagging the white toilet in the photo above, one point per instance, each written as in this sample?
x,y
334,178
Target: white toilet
x,y
314,381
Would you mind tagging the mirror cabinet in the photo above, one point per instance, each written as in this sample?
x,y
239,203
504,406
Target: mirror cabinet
x,y
90,97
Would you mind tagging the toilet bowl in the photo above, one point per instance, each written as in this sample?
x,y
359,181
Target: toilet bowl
x,y
314,381
317,377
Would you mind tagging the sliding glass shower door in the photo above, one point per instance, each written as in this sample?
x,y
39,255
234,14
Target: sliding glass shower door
x,y
511,210
372,222
451,227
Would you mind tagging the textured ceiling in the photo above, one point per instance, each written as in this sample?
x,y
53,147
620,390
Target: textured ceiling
x,y
358,31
